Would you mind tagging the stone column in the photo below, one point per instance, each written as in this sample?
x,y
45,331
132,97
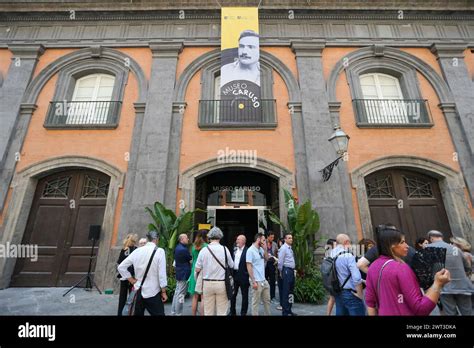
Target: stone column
x,y
19,76
329,198
461,124
172,171
146,175
302,177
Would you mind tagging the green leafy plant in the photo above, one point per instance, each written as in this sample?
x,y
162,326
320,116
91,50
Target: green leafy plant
x,y
303,224
170,289
309,288
169,227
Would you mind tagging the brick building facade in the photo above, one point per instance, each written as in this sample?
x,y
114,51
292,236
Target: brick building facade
x,y
138,82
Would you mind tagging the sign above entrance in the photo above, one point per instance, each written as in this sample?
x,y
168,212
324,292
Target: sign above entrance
x,y
204,227
240,66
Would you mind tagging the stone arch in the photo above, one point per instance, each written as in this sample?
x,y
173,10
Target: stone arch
x,y
187,179
211,57
451,184
398,57
23,190
116,58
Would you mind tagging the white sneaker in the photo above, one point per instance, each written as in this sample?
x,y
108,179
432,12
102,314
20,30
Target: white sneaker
x,y
280,308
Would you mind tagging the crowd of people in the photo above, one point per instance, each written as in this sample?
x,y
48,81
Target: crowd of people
x,y
384,282
377,279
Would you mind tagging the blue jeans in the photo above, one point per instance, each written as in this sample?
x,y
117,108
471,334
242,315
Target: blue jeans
x,y
287,288
349,304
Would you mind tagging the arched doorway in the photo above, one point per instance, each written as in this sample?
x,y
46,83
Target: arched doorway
x,y
238,201
65,204
410,200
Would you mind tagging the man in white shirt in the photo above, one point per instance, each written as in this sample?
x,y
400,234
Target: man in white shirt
x,y
211,262
241,276
153,290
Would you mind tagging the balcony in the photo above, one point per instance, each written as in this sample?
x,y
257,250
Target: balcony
x,y
392,113
237,114
83,115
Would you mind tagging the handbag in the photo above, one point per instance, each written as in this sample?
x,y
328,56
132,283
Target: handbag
x,y
229,281
198,287
130,305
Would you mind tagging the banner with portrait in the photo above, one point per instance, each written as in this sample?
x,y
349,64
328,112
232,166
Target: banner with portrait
x,y
240,65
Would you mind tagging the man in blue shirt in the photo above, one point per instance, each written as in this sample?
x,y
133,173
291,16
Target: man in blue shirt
x,y
182,258
255,258
349,300
286,267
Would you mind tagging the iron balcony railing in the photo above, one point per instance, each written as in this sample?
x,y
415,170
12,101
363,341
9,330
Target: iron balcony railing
x,y
83,114
237,113
392,112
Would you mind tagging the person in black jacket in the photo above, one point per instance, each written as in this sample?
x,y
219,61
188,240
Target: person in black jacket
x,y
129,245
241,276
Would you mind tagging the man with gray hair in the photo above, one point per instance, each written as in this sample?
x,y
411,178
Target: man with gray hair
x,y
182,259
212,261
456,295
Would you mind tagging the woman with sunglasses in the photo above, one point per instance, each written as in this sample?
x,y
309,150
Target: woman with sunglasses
x,y
392,287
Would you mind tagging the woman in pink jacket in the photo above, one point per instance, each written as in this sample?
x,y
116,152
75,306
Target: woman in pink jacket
x,y
392,287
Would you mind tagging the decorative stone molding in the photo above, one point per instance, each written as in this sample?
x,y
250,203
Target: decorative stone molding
x,y
187,179
24,187
166,49
73,59
308,48
399,59
139,107
97,63
207,60
448,50
179,107
27,109
451,185
26,51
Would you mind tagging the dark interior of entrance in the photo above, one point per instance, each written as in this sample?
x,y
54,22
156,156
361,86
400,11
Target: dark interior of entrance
x,y
217,189
234,222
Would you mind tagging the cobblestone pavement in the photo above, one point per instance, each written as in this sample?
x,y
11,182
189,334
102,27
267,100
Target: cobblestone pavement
x,y
49,301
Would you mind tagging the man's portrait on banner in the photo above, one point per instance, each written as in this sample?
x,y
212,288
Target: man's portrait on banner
x,y
246,66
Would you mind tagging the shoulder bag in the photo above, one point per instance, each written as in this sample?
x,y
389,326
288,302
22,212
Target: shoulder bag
x,y
129,308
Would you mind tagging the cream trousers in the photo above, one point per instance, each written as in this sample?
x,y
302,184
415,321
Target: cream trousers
x,y
215,298
262,293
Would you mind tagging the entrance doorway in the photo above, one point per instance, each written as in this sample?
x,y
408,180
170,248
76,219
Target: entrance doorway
x,y
64,206
234,222
237,200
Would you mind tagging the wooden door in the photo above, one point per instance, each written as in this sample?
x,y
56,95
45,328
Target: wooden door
x,y
64,206
409,200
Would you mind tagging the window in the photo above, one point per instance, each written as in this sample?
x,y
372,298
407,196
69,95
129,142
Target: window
x,y
380,86
386,94
383,99
91,99
88,95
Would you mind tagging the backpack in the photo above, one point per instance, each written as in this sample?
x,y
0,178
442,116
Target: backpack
x,y
329,275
